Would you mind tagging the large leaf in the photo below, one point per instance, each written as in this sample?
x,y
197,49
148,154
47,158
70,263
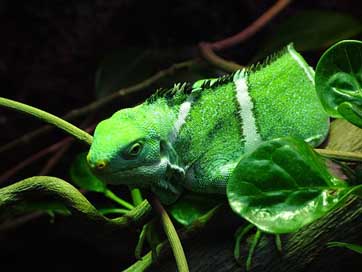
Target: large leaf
x,y
282,186
192,206
82,176
339,81
310,30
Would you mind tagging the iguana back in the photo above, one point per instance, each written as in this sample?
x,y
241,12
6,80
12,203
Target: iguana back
x,y
232,115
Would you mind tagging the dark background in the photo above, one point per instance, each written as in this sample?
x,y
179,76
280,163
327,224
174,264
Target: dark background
x,y
49,54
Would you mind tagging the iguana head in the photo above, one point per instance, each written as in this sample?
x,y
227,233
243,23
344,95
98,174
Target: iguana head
x,y
126,149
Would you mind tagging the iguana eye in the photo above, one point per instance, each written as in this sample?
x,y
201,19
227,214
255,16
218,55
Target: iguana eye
x,y
135,149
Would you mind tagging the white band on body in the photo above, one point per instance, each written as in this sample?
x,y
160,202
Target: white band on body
x,y
250,132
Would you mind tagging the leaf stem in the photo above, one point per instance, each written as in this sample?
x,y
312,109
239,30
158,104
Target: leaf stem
x,y
112,196
112,211
354,247
278,243
172,235
136,196
141,265
356,190
239,235
48,117
163,248
340,155
255,242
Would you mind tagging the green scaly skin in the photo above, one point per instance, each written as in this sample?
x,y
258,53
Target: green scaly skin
x,y
191,137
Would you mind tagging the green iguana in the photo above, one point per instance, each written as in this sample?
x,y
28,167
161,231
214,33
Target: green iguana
x,y
192,136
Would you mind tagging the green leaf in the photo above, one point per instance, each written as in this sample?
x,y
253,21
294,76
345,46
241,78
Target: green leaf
x,y
282,186
310,30
192,206
82,176
356,248
338,81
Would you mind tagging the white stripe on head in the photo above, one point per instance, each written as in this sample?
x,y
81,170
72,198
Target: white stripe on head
x,y
307,69
250,133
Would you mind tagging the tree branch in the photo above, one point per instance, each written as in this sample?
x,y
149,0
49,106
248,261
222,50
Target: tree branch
x,y
253,28
100,103
12,171
207,49
208,54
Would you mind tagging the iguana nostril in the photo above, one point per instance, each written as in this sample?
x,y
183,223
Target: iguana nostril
x,y
100,165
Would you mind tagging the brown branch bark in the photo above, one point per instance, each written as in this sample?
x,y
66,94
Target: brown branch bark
x,y
208,54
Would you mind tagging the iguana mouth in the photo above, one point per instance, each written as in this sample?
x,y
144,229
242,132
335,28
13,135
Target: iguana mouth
x,y
125,169
134,173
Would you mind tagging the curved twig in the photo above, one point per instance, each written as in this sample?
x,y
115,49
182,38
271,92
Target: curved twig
x,y
48,117
40,188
